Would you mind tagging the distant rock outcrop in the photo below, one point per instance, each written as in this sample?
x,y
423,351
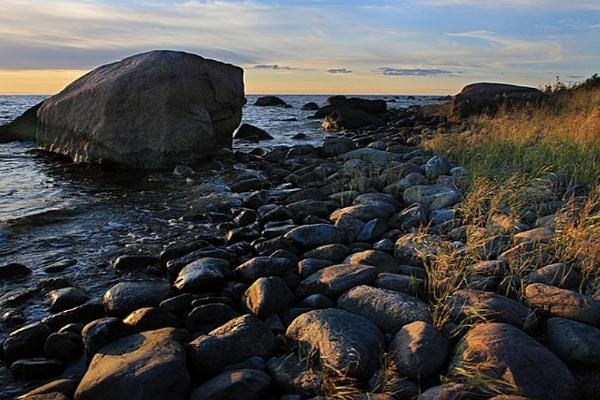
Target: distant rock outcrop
x,y
150,110
270,101
247,131
488,98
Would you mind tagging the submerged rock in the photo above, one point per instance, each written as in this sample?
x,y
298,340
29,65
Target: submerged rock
x,y
150,110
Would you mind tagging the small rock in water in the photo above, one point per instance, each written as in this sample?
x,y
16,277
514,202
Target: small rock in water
x,y
13,271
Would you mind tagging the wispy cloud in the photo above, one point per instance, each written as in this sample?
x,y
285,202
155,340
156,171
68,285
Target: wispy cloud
x,y
546,4
274,67
413,71
339,71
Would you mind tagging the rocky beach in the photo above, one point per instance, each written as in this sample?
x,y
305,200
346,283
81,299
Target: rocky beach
x,y
359,265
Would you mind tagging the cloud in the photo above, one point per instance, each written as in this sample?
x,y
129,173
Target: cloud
x,y
391,71
339,71
544,4
274,67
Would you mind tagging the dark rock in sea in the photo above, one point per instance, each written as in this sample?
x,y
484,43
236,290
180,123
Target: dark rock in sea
x,y
234,342
83,314
13,271
250,384
145,366
270,101
348,118
310,106
65,298
333,100
21,128
246,131
27,341
201,274
387,309
60,266
342,340
135,261
488,98
300,136
125,297
97,117
103,331
29,369
497,351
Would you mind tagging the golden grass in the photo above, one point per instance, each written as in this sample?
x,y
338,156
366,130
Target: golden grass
x,y
561,136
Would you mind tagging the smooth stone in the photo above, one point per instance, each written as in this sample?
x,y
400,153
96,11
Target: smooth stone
x,y
344,341
293,376
125,297
145,366
267,296
259,267
29,369
309,266
564,303
503,352
202,273
365,212
387,309
573,341
81,314
419,350
334,280
332,252
64,346
434,197
65,298
150,318
103,331
310,236
400,283
436,166
234,342
413,247
136,261
414,216
559,275
13,271
26,342
382,261
206,317
242,384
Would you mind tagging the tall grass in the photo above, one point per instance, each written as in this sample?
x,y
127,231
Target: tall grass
x,y
562,135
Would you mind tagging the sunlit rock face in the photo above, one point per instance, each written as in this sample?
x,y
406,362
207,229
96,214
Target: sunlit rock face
x,y
150,110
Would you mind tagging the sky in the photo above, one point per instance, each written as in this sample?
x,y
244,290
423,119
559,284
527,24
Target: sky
x,y
309,46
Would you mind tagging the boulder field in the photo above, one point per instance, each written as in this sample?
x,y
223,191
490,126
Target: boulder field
x,y
324,280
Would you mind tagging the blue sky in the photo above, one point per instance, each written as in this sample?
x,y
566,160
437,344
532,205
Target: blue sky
x,y
314,46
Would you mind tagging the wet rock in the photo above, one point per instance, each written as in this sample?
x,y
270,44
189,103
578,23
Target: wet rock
x,y
13,271
184,171
234,342
309,236
64,346
29,369
559,275
201,274
125,297
246,131
259,267
26,342
310,106
60,266
469,303
270,101
149,365
82,314
400,283
434,197
267,296
294,376
206,317
384,245
336,279
387,309
150,318
365,212
65,298
498,351
436,166
242,384
103,331
136,261
178,305
573,341
419,350
331,252
563,303
245,217
342,340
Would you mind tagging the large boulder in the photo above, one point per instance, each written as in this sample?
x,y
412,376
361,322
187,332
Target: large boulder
x,y
21,128
150,110
149,365
504,353
342,340
488,98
